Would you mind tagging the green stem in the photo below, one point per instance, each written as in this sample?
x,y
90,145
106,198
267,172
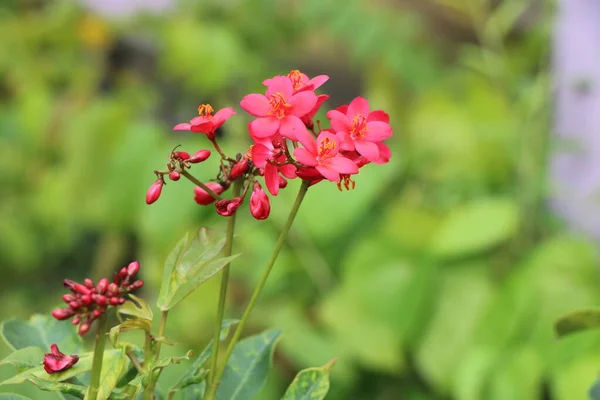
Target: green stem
x,y
161,332
195,180
222,291
212,390
98,357
149,391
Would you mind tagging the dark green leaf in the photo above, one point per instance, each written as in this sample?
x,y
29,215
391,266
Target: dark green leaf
x,y
62,387
247,369
310,383
24,359
12,396
595,390
192,262
41,331
578,321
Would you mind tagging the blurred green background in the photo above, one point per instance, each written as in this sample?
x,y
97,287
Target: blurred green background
x,y
438,277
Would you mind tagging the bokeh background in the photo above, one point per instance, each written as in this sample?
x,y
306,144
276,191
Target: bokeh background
x,y
438,277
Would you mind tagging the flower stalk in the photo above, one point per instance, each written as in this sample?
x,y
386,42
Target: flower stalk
x,y
98,358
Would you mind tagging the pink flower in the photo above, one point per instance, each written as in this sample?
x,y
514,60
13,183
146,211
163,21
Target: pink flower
x,y
55,361
227,208
202,197
269,155
324,156
280,110
260,208
205,122
308,118
358,128
301,82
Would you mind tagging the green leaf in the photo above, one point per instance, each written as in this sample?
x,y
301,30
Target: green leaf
x,y
84,365
578,321
41,331
247,369
24,359
62,387
196,374
127,326
137,308
192,262
595,390
165,362
112,370
476,227
12,396
310,383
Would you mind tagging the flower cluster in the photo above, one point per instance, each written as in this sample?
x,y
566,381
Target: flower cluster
x,y
55,361
287,144
88,302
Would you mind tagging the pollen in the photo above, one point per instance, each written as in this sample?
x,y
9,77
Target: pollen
x,y
359,126
205,110
296,78
327,148
279,107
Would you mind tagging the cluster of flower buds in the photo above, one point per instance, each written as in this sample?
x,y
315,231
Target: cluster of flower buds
x,y
55,361
287,144
88,301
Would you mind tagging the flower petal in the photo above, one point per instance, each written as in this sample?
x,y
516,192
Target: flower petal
x,y
280,84
305,157
378,131
339,122
378,115
318,81
256,104
182,127
343,165
272,179
302,103
222,115
260,154
264,127
358,106
293,128
345,141
384,153
328,172
368,150
288,170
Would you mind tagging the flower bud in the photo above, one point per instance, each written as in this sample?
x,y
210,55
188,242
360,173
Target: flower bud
x,y
84,328
199,156
227,208
79,288
102,286
63,313
113,301
68,284
88,283
260,207
282,182
112,289
75,304
100,300
123,272
239,169
97,313
154,191
133,268
181,155
174,176
67,298
202,197
86,299
76,320
136,285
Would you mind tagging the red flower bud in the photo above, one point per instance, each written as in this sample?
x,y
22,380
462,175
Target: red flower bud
x,y
199,156
228,207
67,298
63,313
100,300
203,198
260,208
76,320
112,289
84,328
123,272
88,283
75,304
79,288
239,169
114,301
136,285
97,313
174,176
182,155
55,361
86,299
282,182
133,268
68,284
154,191
121,300
102,285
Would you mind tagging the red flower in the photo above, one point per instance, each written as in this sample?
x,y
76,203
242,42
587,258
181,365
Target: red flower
x,y
203,198
280,110
260,208
205,122
301,82
308,118
227,208
358,128
324,156
269,155
55,361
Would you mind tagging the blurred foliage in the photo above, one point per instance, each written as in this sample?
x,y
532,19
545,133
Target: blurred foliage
x,y
439,277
